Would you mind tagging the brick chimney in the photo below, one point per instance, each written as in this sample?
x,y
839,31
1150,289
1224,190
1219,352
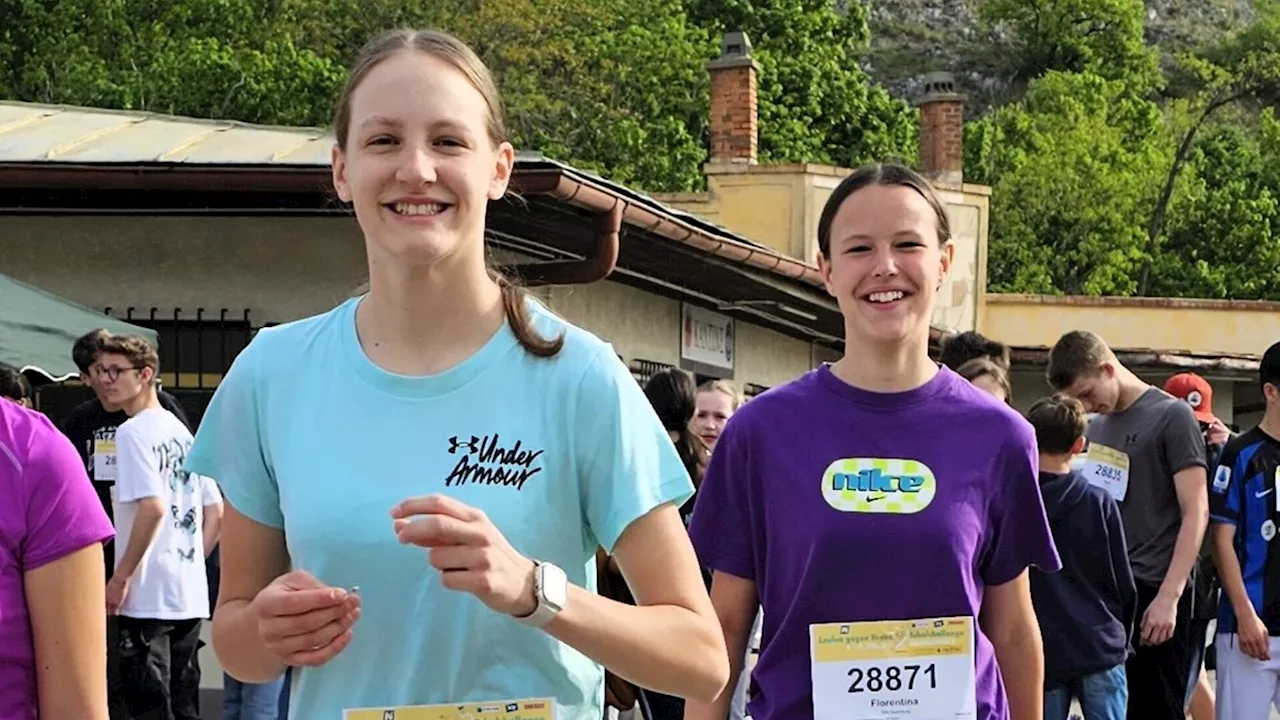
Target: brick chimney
x,y
733,101
941,130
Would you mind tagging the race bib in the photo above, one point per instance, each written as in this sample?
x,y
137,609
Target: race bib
x,y
104,460
899,669
1107,468
532,709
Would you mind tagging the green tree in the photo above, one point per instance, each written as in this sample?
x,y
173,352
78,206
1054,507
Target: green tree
x,y
207,58
1073,167
612,86
1223,238
816,103
1104,37
1241,68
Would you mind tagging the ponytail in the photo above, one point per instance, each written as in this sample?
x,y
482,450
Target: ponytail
x,y
514,298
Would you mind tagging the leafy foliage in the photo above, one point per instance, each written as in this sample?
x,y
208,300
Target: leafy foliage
x,y
1102,187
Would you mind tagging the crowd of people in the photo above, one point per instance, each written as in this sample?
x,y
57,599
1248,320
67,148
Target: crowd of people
x,y
415,495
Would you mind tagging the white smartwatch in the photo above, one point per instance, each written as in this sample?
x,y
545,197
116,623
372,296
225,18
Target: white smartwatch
x,y
551,590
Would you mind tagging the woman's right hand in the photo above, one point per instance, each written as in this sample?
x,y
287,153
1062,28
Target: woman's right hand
x,y
304,622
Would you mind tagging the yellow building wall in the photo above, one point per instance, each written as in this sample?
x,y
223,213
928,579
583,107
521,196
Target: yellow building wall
x,y
1211,327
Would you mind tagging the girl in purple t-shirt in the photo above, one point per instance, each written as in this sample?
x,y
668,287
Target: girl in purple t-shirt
x,y
881,509
53,645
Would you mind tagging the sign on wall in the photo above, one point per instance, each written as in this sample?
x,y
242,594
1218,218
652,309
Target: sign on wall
x,y
706,342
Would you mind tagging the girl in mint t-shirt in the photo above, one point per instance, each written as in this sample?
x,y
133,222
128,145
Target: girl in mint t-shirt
x,y
881,510
448,446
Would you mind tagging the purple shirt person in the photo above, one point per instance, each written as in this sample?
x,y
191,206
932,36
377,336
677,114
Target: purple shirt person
x,y
883,511
52,606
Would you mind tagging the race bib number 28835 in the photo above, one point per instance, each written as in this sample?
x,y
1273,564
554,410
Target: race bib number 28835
x,y
898,669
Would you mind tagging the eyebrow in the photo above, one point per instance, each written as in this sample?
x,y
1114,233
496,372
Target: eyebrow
x,y
439,125
901,234
380,120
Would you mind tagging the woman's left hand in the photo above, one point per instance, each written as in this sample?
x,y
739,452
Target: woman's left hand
x,y
469,551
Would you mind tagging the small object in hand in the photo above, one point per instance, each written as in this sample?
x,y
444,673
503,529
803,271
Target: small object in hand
x,y
355,590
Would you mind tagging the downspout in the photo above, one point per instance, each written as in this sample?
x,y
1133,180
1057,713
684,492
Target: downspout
x,y
583,194
592,268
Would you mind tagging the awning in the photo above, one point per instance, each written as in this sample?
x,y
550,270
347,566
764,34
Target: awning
x,y
38,328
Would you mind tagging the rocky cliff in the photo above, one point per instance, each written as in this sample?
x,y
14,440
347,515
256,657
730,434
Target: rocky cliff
x,y
912,37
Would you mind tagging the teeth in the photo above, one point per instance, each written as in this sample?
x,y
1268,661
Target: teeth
x,y
884,297
425,209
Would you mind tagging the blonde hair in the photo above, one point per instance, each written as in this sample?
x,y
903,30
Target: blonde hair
x,y
724,387
457,54
979,367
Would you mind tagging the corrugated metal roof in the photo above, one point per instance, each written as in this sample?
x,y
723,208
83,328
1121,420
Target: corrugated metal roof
x,y
36,133
32,132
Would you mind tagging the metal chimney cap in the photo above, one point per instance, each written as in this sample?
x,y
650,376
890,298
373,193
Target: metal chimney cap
x,y
938,86
735,45
735,52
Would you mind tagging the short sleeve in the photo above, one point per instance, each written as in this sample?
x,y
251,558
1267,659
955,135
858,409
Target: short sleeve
x,y
229,445
1225,500
721,527
1019,528
1181,442
137,473
626,462
63,513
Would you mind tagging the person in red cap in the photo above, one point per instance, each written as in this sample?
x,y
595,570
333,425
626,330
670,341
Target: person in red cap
x,y
1198,393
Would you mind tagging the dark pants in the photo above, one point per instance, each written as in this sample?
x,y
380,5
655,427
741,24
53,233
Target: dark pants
x,y
115,685
1160,675
159,668
663,707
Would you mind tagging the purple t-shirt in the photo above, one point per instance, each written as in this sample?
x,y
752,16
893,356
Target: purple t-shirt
x,y
48,509
763,514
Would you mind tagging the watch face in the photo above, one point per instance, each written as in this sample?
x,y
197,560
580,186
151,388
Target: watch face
x,y
555,586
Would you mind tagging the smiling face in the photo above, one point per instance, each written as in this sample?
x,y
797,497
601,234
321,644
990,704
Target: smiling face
x,y
419,162
885,264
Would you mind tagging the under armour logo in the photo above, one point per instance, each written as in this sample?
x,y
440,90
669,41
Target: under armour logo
x,y
1131,439
472,446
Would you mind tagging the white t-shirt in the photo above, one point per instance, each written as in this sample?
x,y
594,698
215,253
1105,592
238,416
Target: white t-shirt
x,y
170,584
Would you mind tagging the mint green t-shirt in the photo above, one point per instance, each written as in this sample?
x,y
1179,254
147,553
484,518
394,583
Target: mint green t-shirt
x,y
306,434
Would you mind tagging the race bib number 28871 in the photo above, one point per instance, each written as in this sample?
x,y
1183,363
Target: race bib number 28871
x,y
897,669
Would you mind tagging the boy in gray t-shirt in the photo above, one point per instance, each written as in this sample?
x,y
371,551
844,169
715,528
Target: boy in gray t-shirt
x,y
1146,449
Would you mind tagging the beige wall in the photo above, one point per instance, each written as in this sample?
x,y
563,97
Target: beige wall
x,y
1210,327
283,269
280,268
646,326
960,305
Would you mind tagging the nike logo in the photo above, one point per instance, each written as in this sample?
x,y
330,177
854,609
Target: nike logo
x,y
1264,493
873,499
